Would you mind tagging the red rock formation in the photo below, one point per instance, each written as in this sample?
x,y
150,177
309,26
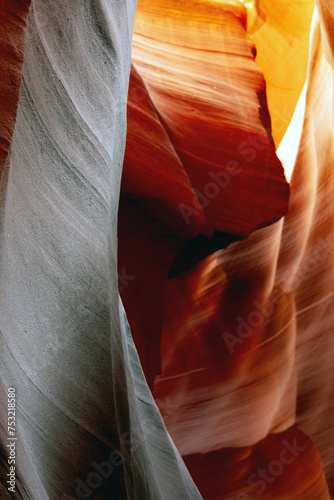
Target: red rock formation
x,y
13,16
238,344
153,172
151,226
246,342
207,90
228,359
199,157
271,469
305,263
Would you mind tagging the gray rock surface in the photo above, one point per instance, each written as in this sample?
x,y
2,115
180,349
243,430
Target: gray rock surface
x,y
65,343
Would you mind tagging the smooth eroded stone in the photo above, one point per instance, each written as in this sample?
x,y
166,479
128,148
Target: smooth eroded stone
x,y
13,17
283,465
198,66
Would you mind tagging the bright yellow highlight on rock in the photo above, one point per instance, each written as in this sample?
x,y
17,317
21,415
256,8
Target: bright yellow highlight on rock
x,y
282,44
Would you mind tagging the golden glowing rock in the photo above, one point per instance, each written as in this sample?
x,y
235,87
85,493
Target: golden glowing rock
x,y
282,44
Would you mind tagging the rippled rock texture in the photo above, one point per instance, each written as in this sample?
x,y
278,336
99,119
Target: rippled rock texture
x,y
224,249
213,173
246,339
87,425
13,16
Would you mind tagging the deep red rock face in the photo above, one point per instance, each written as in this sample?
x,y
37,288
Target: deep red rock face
x,y
153,172
270,469
13,16
151,226
198,65
225,358
199,156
